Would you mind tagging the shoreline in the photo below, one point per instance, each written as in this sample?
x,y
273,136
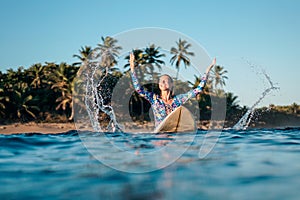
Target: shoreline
x,y
56,128
32,127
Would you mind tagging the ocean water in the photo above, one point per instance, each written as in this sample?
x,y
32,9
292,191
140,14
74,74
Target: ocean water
x,y
247,164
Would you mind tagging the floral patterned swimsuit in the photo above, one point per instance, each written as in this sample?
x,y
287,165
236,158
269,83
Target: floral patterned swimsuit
x,y
159,107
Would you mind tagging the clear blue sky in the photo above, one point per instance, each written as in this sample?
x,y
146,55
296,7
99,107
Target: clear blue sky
x,y
264,32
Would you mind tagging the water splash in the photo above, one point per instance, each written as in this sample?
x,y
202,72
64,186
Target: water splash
x,y
95,100
244,122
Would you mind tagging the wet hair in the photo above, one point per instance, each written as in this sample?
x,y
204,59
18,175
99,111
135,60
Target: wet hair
x,y
170,78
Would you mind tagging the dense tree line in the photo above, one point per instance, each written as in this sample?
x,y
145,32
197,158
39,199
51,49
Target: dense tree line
x,y
43,92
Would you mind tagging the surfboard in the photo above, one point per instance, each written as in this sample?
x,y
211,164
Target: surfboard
x,y
180,120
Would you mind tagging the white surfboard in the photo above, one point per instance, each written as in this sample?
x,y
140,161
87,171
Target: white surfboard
x,y
180,120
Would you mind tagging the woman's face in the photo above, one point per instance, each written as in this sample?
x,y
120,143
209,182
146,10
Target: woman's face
x,y
165,83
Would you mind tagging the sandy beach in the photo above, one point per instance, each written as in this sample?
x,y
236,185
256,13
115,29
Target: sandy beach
x,y
54,128
45,128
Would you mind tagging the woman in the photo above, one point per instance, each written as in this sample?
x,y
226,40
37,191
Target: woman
x,y
164,103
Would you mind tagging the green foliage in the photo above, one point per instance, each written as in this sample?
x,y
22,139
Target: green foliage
x,y
45,91
84,54
145,60
294,108
33,93
219,76
181,55
107,52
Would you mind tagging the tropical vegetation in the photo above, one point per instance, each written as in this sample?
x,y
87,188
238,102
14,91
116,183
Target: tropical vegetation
x,y
44,91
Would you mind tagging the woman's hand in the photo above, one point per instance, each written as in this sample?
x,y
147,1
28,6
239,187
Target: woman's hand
x,y
211,66
131,61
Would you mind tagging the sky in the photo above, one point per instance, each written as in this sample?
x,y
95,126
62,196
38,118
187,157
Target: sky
x,y
264,33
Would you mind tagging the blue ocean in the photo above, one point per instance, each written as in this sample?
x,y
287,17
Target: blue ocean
x,y
245,164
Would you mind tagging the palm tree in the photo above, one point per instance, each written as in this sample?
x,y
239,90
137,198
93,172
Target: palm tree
x,y
139,61
234,111
16,97
22,103
146,58
219,76
36,72
294,108
65,100
16,78
83,56
181,54
11,76
152,56
62,81
108,51
232,102
3,100
139,58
